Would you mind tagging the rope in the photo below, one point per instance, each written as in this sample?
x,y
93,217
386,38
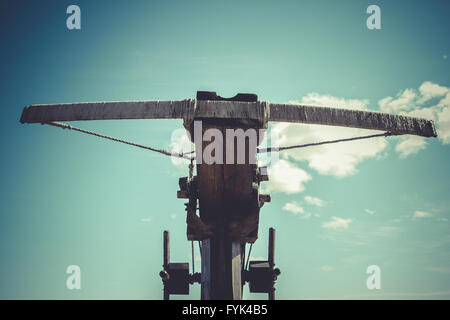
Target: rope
x,y
191,159
162,151
277,149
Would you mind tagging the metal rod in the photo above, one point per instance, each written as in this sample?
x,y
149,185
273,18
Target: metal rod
x,y
166,259
248,257
271,247
272,260
193,264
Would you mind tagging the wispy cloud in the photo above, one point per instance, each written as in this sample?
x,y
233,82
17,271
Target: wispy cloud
x,y
314,201
410,145
371,212
337,223
296,209
420,214
146,220
326,268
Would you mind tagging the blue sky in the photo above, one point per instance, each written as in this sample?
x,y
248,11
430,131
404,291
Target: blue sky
x,y
70,199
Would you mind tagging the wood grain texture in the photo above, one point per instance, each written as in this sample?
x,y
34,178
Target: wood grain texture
x,y
106,111
259,111
226,202
352,118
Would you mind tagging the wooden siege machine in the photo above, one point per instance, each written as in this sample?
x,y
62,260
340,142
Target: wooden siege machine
x,y
227,196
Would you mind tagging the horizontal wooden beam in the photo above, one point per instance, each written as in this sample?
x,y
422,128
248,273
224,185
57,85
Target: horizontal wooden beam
x,y
396,124
262,112
106,111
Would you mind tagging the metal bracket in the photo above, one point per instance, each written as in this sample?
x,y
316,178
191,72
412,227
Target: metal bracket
x,y
175,276
262,275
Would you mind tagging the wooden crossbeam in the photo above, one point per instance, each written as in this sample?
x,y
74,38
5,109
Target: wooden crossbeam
x,y
105,111
396,124
262,112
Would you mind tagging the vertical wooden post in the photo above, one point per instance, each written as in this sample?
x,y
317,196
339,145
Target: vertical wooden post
x,y
227,199
236,270
205,252
272,260
166,259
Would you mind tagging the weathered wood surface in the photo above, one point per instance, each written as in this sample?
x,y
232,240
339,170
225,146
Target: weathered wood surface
x,y
260,111
226,200
106,111
205,252
225,191
233,110
352,118
236,270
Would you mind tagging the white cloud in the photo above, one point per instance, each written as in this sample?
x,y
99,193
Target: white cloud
x,y
314,201
403,101
371,212
430,90
180,143
146,220
323,100
410,145
285,177
296,209
342,159
419,103
443,120
421,214
326,268
293,207
335,159
337,223
338,159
